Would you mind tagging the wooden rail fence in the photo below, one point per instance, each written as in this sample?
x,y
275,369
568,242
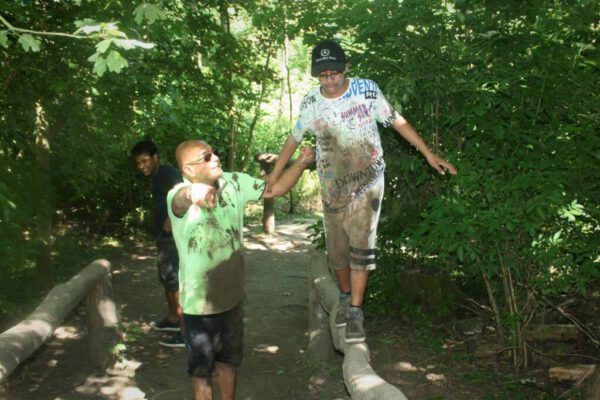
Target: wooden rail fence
x,y
94,284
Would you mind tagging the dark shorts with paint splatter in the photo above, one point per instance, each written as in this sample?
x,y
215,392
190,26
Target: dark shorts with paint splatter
x,y
214,338
350,235
168,263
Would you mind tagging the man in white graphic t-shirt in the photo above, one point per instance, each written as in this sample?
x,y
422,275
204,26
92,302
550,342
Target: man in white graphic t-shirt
x,y
343,114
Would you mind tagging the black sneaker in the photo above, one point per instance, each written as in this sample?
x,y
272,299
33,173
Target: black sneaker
x,y
165,325
174,341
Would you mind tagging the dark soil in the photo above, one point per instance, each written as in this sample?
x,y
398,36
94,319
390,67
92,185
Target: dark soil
x,y
275,366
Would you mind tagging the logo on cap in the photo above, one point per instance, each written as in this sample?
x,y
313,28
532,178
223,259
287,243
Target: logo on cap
x,y
324,52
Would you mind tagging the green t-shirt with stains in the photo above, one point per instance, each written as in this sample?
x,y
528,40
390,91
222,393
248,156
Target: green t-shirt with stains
x,y
209,243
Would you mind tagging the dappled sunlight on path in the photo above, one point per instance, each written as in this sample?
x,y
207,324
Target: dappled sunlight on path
x,y
274,365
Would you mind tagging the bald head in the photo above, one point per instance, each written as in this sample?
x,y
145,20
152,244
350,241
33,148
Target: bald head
x,y
182,151
197,162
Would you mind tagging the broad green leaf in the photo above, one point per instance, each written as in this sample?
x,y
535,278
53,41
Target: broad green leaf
x,y
103,45
99,66
115,62
94,57
124,44
129,44
83,22
149,12
112,29
29,42
556,236
4,39
90,27
461,253
144,45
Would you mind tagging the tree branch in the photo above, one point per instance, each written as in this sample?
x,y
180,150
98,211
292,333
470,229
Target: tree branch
x,y
43,33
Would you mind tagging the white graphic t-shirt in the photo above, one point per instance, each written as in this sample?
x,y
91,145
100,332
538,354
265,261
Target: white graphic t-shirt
x,y
349,153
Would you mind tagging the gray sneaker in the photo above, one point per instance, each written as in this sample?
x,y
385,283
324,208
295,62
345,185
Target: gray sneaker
x,y
355,332
342,311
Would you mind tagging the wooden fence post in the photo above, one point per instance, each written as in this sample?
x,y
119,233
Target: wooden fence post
x,y
266,162
102,323
20,341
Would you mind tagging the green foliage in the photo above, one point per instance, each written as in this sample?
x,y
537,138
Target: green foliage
x,y
4,39
66,129
317,235
106,33
148,12
29,43
137,223
508,93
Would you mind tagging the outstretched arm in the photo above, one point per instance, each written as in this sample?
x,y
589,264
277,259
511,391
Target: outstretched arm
x,y
291,175
288,150
406,130
196,193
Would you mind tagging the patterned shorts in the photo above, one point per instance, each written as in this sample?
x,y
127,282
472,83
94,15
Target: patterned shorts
x,y
168,263
350,234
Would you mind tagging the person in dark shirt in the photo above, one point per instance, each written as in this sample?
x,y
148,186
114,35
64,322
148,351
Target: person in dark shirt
x,y
164,177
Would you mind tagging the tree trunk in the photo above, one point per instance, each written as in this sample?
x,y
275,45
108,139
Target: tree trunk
x,y
263,88
288,78
292,208
43,218
228,85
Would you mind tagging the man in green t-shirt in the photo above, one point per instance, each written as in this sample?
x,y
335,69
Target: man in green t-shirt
x,y
206,214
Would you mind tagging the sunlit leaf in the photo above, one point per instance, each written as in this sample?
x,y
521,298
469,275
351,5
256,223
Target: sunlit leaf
x,y
112,29
144,45
99,66
103,45
124,44
149,12
29,42
115,61
87,29
4,39
83,22
129,44
94,57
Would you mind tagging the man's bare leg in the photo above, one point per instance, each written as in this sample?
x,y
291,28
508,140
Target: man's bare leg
x,y
355,332
226,380
343,278
358,284
172,305
202,388
354,281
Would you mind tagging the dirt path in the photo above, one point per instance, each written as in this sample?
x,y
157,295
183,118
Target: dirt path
x,y
274,365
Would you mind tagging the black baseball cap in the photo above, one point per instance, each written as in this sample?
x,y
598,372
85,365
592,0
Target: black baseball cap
x,y
327,55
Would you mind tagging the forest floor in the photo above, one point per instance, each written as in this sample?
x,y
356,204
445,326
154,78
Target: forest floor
x,y
275,364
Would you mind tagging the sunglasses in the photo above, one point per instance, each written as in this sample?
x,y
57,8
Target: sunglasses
x,y
206,157
331,75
